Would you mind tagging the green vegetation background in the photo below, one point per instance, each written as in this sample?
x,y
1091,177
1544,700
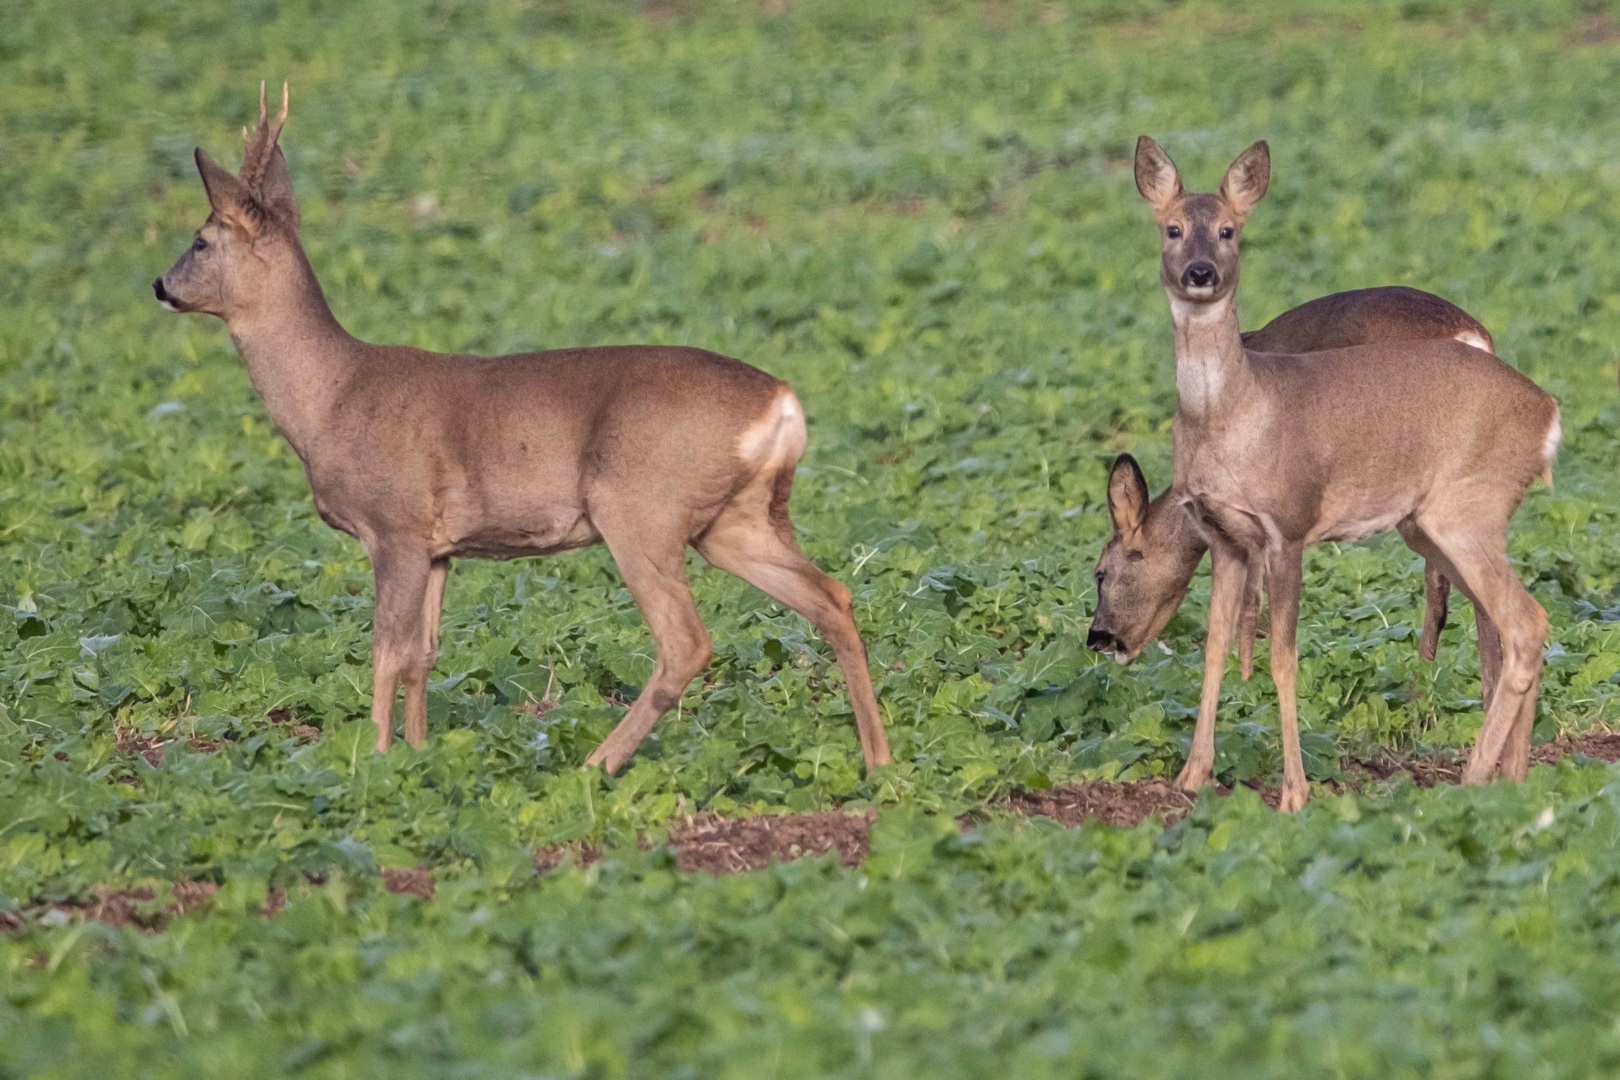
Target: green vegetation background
x,y
922,216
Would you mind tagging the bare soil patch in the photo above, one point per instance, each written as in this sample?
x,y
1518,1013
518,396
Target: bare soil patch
x,y
718,845
1598,29
1426,771
1113,804
121,907
133,742
1601,745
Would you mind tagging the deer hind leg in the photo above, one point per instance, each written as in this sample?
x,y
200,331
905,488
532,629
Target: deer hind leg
x,y
1436,602
1490,655
653,562
1519,624
1515,760
1285,578
1490,643
1249,623
1229,569
396,640
753,539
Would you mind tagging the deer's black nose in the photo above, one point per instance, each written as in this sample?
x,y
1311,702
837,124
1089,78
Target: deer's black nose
x,y
157,290
1099,640
1200,275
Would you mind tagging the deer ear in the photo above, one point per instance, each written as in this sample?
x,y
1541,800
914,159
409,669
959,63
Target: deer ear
x,y
1246,181
229,196
1156,175
276,191
1127,495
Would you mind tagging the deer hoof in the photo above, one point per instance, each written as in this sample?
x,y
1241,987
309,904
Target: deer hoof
x,y
606,758
1192,778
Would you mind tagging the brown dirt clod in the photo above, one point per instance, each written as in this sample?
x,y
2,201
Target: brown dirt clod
x,y
131,742
549,858
415,881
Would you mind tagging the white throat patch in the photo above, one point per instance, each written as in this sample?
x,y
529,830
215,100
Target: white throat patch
x,y
1200,372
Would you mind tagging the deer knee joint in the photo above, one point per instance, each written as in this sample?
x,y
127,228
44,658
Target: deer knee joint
x,y
842,600
702,653
689,653
1520,680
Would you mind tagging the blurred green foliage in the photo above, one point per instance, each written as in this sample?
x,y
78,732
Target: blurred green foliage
x,y
922,216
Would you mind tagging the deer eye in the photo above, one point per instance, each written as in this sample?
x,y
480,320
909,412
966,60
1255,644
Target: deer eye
x,y
1226,232
199,244
1173,231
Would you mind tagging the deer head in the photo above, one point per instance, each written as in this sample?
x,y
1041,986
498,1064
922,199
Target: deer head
x,y
251,235
1145,568
1199,263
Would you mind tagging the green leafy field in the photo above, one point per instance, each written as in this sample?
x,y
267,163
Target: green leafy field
x,y
923,217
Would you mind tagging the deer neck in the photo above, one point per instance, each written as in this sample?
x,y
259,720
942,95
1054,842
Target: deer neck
x,y
1210,365
296,353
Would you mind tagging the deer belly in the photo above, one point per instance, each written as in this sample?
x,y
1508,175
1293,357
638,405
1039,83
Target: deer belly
x,y
544,535
1357,526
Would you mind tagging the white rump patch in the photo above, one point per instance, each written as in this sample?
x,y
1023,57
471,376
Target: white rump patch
x,y
1468,337
763,440
1549,447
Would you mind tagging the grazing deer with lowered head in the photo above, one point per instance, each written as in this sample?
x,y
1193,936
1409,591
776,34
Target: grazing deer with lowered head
x,y
1275,452
1145,568
425,457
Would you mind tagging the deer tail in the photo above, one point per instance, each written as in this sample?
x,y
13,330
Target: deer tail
x,y
1549,447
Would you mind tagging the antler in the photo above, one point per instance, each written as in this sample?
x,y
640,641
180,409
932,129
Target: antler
x,y
261,146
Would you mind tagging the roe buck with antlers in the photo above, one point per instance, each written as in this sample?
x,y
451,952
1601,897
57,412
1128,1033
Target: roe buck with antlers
x,y
1145,568
425,457
1275,452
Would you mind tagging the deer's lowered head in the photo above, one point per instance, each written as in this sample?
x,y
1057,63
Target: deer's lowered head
x,y
1199,232
246,256
1145,568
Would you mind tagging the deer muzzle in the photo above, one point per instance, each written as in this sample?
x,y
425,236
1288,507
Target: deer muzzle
x,y
1200,275
163,296
1103,641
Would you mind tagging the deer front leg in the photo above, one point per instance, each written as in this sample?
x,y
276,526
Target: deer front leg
x,y
1285,579
397,637
1229,570
416,675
